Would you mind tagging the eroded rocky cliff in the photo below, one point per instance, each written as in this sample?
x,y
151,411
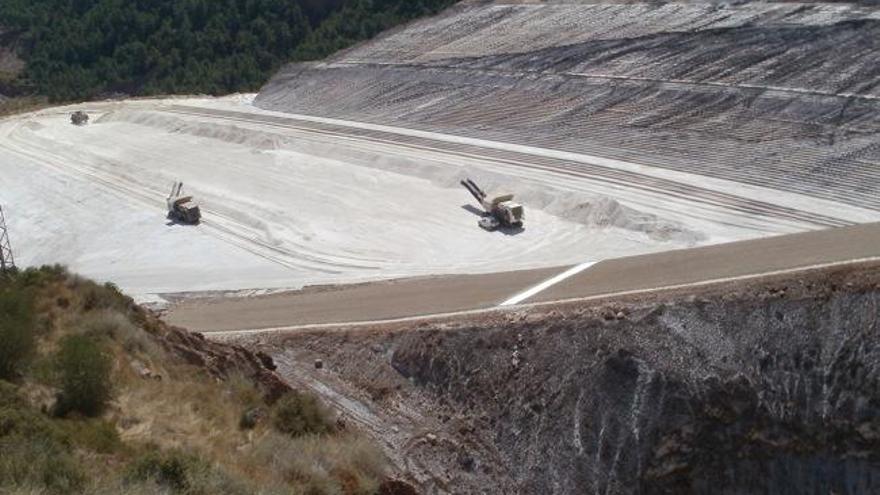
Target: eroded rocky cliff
x,y
760,387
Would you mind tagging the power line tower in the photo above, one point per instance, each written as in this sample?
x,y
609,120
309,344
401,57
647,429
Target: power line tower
x,y
7,261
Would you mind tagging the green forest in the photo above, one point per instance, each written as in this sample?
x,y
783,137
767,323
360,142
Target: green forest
x,y
81,49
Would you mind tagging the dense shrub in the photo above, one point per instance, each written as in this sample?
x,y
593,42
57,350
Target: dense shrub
x,y
84,369
17,330
39,463
95,435
40,277
178,472
116,326
169,470
82,49
298,414
34,452
341,463
19,418
358,20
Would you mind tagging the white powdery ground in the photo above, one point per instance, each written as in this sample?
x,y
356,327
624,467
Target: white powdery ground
x,y
280,212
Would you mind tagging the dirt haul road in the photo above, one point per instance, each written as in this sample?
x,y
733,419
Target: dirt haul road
x,y
447,296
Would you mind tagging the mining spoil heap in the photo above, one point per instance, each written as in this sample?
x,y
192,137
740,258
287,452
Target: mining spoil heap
x,y
775,94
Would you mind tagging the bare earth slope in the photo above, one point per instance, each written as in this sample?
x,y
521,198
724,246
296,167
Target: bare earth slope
x,y
777,94
761,387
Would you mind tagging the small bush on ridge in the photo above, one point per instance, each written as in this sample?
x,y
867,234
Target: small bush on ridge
x,y
17,331
179,472
34,451
84,369
298,414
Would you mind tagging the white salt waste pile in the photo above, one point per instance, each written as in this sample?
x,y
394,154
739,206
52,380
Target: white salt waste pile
x,y
285,207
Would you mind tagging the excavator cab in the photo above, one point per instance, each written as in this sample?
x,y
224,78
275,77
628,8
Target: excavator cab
x,y
511,212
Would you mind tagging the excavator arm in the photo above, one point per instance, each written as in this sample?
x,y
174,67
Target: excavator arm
x,y
477,193
173,191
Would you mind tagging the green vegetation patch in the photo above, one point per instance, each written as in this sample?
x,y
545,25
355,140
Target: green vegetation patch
x,y
81,49
298,414
17,330
179,472
77,415
84,368
36,452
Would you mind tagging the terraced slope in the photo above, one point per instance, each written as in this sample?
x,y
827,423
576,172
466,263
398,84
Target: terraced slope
x,y
784,95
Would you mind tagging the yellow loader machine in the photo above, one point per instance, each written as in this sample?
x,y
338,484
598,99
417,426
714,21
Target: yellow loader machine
x,y
501,211
182,209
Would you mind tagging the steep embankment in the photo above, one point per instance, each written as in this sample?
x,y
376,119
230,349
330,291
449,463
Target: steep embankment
x,y
765,387
775,94
99,396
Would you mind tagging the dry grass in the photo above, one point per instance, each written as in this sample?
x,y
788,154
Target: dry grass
x,y
187,420
339,464
192,414
183,408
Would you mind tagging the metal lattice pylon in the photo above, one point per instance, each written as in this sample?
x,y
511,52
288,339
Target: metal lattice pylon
x,y
7,261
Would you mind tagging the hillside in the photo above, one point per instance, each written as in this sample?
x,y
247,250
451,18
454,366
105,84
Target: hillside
x,y
98,396
739,388
83,50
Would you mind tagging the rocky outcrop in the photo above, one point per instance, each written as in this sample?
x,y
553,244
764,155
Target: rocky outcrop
x,y
769,387
218,359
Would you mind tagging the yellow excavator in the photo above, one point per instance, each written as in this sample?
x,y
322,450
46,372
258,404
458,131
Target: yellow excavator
x,y
501,211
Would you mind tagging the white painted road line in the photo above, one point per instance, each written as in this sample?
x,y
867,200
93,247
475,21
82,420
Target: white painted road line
x,y
522,296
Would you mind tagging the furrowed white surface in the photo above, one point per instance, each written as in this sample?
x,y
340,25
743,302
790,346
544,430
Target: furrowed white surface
x,y
281,209
522,296
284,207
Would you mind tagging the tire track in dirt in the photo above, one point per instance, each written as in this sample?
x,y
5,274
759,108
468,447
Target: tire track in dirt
x,y
219,226
618,178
